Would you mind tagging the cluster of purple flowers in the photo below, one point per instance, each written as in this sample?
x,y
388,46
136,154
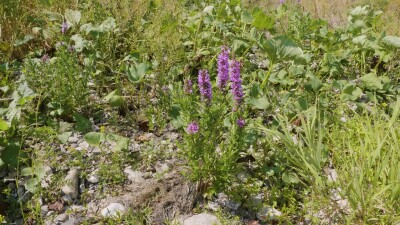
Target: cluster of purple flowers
x,y
64,27
192,128
223,67
236,82
205,85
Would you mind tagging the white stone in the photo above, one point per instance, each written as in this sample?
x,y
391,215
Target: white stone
x,y
202,219
134,176
71,187
62,217
268,213
113,209
93,179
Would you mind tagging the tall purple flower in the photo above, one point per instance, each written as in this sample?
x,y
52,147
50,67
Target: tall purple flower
x,y
281,1
64,27
223,67
188,86
236,82
192,128
205,85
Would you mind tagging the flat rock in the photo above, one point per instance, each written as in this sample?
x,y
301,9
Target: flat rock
x,y
268,213
202,219
134,176
113,210
71,187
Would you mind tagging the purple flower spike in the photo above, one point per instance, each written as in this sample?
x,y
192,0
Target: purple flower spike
x,y
281,1
205,85
223,67
240,122
188,86
236,82
64,27
192,128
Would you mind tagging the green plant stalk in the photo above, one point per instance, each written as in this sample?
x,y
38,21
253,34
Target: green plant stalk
x,y
265,81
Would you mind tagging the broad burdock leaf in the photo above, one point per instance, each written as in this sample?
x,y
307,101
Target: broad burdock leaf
x,y
114,99
73,17
136,73
32,185
260,103
391,41
281,48
95,138
27,171
246,17
372,81
261,20
64,137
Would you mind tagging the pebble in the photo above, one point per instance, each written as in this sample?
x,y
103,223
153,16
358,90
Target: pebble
x,y
44,210
225,201
73,139
62,217
113,210
71,187
93,179
202,219
268,213
134,176
255,200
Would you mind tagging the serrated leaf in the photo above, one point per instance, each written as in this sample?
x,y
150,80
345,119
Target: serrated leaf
x,y
72,16
82,124
95,138
260,103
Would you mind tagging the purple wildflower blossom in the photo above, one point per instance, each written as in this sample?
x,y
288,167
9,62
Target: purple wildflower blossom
x,y
192,128
240,122
205,85
236,82
45,58
223,67
188,86
281,1
64,27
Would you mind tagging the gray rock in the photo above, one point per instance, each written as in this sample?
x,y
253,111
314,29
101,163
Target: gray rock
x,y
268,213
113,209
243,176
93,179
96,150
202,219
71,187
44,210
69,222
255,200
134,176
225,201
161,167
73,139
61,218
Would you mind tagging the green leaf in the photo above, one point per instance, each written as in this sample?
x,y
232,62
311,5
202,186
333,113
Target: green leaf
x,y
262,21
107,25
371,81
122,143
3,125
290,178
1,162
72,16
79,42
391,41
95,138
114,99
28,171
136,73
260,103
315,84
246,17
227,122
64,137
32,185
82,124
26,39
281,48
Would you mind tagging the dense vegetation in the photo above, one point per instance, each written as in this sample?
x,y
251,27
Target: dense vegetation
x,y
270,102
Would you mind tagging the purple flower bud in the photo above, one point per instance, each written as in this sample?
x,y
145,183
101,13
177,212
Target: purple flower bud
x,y
205,85
45,58
64,27
236,82
192,128
223,67
240,122
188,86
